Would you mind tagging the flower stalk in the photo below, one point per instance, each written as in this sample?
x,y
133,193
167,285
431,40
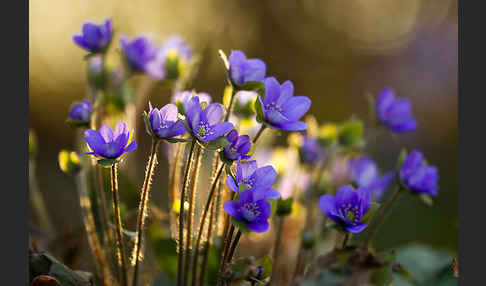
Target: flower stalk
x,y
116,208
278,239
142,210
181,215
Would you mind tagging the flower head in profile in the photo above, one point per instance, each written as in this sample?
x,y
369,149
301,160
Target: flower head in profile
x,y
250,210
419,177
310,151
205,124
81,112
395,113
280,108
95,38
242,70
364,172
164,122
181,98
258,180
171,60
347,208
239,146
109,144
138,52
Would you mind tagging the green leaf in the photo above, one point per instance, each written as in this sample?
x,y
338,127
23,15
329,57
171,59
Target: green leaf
x,y
240,225
217,143
178,140
273,204
266,264
252,85
259,111
426,199
284,207
148,126
351,133
243,187
107,162
368,215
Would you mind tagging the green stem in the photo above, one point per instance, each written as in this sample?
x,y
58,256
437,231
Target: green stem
x,y
203,222
142,210
207,244
276,248
116,208
181,215
376,223
187,259
262,128
230,106
233,246
227,237
346,237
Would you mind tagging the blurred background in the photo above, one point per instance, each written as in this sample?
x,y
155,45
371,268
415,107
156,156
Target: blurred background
x,y
333,51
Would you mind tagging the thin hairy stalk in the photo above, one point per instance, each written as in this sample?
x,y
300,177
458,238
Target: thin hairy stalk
x,y
37,200
101,264
203,222
181,215
298,263
190,216
260,132
142,210
116,208
107,237
207,245
224,251
346,238
233,247
230,106
276,248
376,223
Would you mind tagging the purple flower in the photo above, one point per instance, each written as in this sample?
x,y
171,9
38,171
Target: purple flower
x,y
281,109
81,112
310,151
95,38
419,177
242,70
164,122
253,212
347,207
182,97
166,63
258,180
108,144
395,113
139,52
205,124
239,146
364,173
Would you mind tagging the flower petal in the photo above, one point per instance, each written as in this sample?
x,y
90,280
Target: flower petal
x,y
247,169
132,146
256,70
219,129
296,107
94,139
364,195
292,126
213,113
264,176
121,128
356,228
231,208
259,227
384,101
232,136
286,92
169,112
231,184
272,90
327,205
79,40
345,196
107,133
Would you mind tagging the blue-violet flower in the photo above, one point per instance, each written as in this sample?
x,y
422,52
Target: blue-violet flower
x,y
164,122
281,109
81,112
258,180
108,144
310,151
239,146
347,207
364,173
95,38
205,124
139,52
242,70
419,177
395,113
253,212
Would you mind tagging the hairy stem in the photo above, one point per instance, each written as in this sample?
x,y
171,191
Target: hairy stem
x,y
233,246
276,248
207,245
142,213
116,208
230,106
89,225
376,223
262,128
181,216
346,238
187,260
203,222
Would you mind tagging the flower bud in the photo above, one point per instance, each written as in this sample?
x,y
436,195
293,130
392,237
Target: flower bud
x,y
69,162
284,207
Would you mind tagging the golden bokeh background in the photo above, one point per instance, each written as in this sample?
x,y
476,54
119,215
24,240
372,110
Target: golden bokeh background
x,y
334,52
